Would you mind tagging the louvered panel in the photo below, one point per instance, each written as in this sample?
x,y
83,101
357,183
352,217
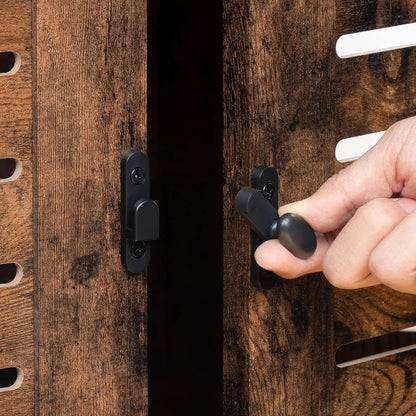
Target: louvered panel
x,y
373,92
16,215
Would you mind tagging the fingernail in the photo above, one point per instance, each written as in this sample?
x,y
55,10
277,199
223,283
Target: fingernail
x,y
294,207
407,204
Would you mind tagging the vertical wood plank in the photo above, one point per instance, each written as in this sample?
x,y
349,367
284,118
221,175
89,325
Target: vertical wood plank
x,y
90,108
278,357
372,92
16,219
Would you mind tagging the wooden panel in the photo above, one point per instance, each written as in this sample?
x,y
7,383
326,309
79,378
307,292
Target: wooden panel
x,y
372,92
16,219
384,387
278,357
371,312
288,100
91,107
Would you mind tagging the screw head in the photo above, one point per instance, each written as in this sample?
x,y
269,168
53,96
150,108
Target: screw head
x,y
137,176
137,249
268,191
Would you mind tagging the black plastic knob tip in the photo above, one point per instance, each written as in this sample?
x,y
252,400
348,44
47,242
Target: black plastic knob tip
x,y
296,235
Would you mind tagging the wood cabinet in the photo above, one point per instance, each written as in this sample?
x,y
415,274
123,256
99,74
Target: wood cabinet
x,y
210,90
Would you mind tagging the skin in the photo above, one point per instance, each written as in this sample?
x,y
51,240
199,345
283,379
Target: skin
x,y
365,220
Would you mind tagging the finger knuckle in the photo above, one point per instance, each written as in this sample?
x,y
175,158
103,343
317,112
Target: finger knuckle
x,y
380,211
403,125
402,130
383,266
336,275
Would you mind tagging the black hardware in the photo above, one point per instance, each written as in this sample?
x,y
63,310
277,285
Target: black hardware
x,y
258,205
296,235
139,214
254,202
258,211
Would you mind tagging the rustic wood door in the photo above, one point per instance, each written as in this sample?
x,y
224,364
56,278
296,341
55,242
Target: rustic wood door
x,y
288,99
72,101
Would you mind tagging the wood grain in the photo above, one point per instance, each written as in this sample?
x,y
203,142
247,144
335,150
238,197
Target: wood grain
x,y
371,312
287,100
383,387
277,111
372,92
90,108
16,214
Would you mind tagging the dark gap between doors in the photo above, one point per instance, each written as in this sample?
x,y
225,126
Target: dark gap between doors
x,y
185,150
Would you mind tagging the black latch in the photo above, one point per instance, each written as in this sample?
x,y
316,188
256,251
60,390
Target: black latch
x,y
139,214
258,205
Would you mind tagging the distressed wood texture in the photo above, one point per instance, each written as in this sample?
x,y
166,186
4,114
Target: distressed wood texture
x,y
278,357
372,92
287,100
16,219
91,107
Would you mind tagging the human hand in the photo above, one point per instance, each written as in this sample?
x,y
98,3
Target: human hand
x,y
365,237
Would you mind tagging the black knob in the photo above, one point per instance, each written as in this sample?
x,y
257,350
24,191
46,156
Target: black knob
x,y
144,221
294,233
258,211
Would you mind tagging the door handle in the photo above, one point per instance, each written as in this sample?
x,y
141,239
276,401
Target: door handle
x,y
258,205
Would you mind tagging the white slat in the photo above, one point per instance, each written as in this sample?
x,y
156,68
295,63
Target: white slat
x,y
352,148
377,40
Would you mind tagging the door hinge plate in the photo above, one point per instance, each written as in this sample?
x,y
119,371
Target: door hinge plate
x,y
139,214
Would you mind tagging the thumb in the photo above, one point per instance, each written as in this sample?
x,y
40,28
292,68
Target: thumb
x,y
372,176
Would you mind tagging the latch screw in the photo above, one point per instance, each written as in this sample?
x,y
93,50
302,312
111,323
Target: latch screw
x,y
268,191
137,249
137,176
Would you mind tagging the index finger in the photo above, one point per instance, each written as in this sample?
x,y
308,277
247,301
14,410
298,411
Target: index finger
x,y
372,176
